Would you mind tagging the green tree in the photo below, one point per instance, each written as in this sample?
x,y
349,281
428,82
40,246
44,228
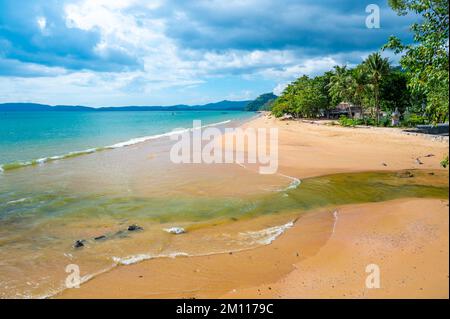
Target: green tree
x,y
323,82
341,87
394,92
360,89
305,97
426,61
377,67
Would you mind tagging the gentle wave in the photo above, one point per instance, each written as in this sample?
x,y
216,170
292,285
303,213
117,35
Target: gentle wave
x,y
133,141
262,237
266,236
129,260
21,200
293,185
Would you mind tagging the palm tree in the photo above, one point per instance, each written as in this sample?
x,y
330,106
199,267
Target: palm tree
x,y
360,87
377,68
340,86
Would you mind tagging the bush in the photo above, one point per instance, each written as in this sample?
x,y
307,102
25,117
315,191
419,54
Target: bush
x,y
412,120
345,121
385,121
444,162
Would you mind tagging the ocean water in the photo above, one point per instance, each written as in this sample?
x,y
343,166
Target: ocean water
x,y
27,137
45,208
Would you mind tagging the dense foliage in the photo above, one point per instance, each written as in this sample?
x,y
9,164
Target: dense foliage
x,y
305,97
418,88
426,61
373,85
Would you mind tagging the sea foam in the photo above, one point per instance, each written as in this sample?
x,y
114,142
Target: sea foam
x,y
266,236
130,142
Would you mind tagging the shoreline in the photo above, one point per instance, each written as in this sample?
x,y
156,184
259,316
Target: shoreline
x,y
316,258
321,143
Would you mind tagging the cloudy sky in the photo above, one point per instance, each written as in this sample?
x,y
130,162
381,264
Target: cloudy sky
x,y
162,52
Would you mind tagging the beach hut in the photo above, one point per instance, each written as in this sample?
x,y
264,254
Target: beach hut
x,y
346,109
286,117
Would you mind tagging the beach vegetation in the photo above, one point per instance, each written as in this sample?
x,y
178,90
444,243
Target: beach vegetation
x,y
444,162
416,90
426,61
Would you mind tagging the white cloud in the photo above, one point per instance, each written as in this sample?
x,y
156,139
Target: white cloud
x,y
42,23
279,88
138,31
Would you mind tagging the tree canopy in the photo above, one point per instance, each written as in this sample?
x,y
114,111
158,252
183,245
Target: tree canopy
x,y
426,60
418,88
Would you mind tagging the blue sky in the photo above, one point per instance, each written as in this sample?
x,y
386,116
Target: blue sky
x,y
163,52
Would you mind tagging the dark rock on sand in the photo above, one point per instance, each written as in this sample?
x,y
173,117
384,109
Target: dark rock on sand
x,y
134,228
100,237
79,243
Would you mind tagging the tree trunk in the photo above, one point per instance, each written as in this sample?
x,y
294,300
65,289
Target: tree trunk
x,y
377,106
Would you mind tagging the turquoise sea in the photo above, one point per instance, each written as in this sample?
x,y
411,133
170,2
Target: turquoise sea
x,y
89,176
31,136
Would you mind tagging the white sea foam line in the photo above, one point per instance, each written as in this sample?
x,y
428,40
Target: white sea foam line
x,y
268,235
335,216
130,142
276,231
21,200
137,140
129,260
294,184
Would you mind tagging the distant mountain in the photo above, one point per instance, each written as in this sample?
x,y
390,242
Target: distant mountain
x,y
261,103
30,107
33,107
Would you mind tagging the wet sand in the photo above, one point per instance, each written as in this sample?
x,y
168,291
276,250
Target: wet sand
x,y
321,256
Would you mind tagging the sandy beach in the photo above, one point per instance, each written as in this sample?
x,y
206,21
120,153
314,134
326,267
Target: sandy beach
x,y
325,253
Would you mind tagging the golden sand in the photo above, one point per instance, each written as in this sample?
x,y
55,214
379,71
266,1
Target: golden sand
x,y
326,253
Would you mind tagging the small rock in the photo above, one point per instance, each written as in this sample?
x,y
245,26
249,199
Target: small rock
x,y
384,164
418,161
406,174
134,227
79,243
100,237
429,155
175,230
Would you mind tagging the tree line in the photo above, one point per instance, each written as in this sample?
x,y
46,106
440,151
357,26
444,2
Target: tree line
x,y
418,88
